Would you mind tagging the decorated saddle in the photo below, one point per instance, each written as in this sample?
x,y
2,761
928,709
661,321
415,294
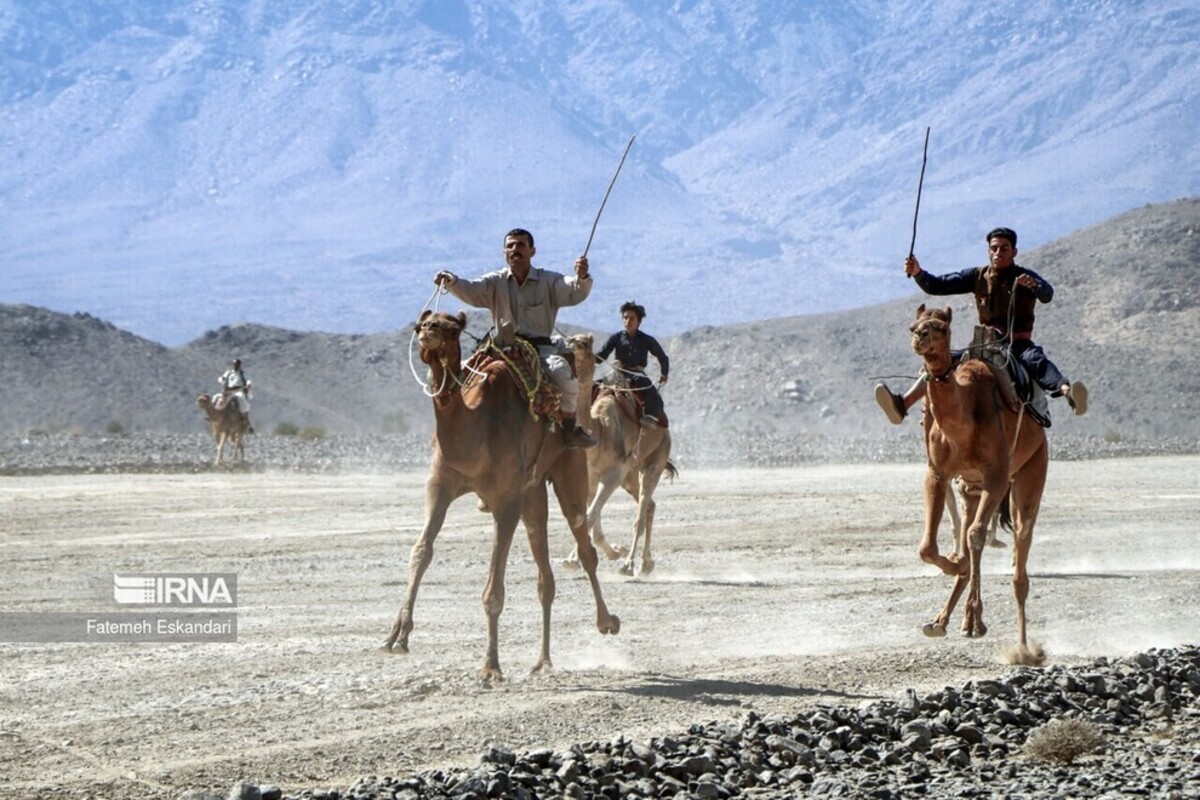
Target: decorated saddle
x,y
521,363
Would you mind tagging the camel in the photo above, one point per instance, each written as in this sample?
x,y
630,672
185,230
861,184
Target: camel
x,y
628,455
228,424
488,441
970,432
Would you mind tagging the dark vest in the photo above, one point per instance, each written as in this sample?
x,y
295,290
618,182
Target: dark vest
x,y
993,295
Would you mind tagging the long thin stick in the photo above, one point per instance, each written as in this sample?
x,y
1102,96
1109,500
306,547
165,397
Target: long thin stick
x,y
605,200
924,158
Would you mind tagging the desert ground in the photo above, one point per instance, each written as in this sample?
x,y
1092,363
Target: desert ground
x,y
775,589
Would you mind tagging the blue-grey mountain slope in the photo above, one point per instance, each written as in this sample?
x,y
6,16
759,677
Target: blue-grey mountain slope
x,y
176,166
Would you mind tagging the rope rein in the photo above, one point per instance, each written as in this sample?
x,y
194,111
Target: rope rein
x,y
437,292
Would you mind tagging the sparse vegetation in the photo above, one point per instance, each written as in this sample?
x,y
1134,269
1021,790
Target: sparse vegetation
x,y
286,429
115,428
311,432
1061,741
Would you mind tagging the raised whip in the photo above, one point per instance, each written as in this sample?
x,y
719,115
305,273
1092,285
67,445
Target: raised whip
x,y
606,192
920,183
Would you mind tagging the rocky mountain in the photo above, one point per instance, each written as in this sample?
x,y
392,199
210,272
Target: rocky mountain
x,y
1125,319
175,165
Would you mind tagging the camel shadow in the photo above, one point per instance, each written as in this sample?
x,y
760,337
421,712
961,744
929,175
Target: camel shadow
x,y
715,692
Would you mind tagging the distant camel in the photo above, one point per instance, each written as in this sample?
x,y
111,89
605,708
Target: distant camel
x,y
488,441
228,423
628,455
971,432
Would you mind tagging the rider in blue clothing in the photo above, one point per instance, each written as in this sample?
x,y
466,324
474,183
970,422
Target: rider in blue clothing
x,y
633,349
1006,296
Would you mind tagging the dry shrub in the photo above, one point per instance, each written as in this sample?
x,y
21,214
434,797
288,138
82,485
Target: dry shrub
x,y
1061,741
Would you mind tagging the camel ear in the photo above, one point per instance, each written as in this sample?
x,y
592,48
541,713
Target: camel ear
x,y
949,314
462,320
424,314
920,310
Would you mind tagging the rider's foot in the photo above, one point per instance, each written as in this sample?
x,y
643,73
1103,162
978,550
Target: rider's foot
x,y
1077,398
577,437
891,403
649,421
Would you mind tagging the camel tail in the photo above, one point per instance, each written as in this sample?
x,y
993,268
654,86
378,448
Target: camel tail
x,y
671,471
1005,512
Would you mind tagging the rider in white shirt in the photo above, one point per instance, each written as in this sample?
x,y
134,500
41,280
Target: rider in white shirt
x,y
235,384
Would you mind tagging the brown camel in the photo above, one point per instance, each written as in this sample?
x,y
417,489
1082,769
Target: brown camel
x,y
228,424
487,441
970,432
629,455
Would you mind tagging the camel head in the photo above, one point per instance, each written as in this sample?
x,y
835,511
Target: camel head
x,y
205,402
585,359
931,331
437,334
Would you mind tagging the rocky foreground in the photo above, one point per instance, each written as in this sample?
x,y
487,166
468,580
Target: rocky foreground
x,y
1115,728
65,453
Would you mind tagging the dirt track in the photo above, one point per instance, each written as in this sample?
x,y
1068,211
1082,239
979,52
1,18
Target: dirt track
x,y
774,589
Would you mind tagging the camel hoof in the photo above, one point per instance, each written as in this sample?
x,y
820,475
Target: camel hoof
x,y
647,567
610,628
627,569
394,649
934,630
491,675
997,543
542,668
571,563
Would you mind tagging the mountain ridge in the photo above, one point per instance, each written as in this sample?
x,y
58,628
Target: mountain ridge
x,y
310,165
1125,318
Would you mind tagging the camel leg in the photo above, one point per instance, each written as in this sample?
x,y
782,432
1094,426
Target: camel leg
x,y
1025,501
647,481
937,628
505,523
935,502
437,500
647,558
535,515
955,521
604,491
220,449
981,509
607,484
570,471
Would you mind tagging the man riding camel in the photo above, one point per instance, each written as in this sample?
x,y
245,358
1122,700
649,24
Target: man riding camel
x,y
235,384
1006,295
524,301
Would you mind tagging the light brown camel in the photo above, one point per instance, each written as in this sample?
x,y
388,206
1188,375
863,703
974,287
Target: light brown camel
x,y
628,455
970,432
488,442
228,424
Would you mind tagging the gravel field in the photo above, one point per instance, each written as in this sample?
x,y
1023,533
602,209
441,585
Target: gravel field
x,y
774,652
67,453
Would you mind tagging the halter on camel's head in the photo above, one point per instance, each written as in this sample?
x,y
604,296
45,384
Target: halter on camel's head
x,y
438,335
931,328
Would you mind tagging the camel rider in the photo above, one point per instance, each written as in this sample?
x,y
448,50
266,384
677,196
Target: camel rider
x,y
1006,296
634,348
524,301
235,384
